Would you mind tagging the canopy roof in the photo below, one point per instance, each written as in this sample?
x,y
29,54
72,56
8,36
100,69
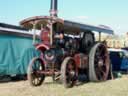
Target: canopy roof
x,y
68,26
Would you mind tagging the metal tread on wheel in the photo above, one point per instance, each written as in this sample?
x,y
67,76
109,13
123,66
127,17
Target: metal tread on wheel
x,y
99,63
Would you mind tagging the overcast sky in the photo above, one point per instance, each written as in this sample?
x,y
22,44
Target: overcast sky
x,y
113,13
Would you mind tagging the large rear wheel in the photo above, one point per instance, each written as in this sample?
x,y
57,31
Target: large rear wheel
x,y
99,63
34,76
68,72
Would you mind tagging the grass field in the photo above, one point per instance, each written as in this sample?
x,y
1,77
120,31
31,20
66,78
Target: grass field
x,y
117,87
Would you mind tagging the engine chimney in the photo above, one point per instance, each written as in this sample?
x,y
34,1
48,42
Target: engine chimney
x,y
53,9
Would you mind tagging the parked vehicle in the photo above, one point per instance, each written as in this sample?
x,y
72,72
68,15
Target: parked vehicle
x,y
64,56
119,59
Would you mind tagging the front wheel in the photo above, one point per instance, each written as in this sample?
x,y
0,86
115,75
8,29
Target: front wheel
x,y
68,72
35,67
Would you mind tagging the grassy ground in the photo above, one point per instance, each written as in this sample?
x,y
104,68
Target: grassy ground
x,y
117,87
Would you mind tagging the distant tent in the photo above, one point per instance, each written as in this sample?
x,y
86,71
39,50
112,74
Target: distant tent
x,y
16,49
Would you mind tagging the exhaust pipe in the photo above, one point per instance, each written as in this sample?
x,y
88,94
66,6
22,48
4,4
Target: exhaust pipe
x,y
53,9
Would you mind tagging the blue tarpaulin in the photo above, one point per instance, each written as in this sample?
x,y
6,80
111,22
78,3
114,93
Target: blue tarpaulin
x,y
15,54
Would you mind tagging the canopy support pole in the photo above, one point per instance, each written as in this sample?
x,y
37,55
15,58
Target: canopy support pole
x,y
51,33
34,33
100,36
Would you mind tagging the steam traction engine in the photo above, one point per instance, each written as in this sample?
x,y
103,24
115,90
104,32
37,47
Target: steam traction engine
x,y
68,50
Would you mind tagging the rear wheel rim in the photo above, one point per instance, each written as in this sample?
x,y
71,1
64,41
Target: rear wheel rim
x,y
100,63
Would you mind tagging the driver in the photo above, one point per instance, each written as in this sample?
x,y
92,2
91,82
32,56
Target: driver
x,y
59,38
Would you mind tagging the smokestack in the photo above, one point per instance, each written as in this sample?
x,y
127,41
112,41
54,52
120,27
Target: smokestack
x,y
53,9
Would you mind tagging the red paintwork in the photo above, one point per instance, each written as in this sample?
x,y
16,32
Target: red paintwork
x,y
77,59
45,36
81,60
42,47
48,72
